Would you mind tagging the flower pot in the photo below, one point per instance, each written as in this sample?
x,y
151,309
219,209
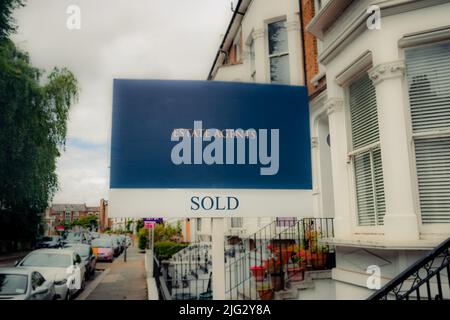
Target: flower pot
x,y
319,261
258,272
265,294
296,274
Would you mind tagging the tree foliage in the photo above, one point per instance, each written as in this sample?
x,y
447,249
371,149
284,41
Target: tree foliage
x,y
33,124
88,222
7,23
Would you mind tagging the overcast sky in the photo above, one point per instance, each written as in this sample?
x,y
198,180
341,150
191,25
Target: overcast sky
x,y
152,39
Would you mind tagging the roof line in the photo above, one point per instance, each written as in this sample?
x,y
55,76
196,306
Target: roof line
x,y
236,12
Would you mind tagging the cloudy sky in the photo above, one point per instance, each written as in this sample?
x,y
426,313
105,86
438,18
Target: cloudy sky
x,y
152,39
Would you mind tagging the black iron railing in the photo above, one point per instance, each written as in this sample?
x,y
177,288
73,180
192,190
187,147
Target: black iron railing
x,y
427,279
187,275
279,255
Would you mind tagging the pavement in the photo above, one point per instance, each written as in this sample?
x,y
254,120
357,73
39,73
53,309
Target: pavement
x,y
120,280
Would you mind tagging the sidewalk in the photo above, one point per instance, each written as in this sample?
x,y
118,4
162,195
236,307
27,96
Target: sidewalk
x,y
125,280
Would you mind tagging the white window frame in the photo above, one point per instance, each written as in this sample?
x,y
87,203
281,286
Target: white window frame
x,y
411,42
349,79
267,46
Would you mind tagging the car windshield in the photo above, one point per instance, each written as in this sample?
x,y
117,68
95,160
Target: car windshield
x,y
73,237
81,250
53,260
101,243
13,284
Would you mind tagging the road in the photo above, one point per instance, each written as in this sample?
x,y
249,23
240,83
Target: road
x,y
115,280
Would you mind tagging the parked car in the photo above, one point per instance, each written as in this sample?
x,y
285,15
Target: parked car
x,y
49,242
87,255
77,237
56,265
24,284
116,246
128,241
103,249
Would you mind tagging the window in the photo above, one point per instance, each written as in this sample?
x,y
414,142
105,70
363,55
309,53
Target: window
x,y
317,6
428,75
278,52
235,51
366,154
286,222
252,61
67,216
237,222
199,224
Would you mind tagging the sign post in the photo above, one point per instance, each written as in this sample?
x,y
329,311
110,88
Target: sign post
x,y
150,225
218,259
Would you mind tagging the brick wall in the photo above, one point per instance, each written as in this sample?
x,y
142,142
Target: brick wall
x,y
310,42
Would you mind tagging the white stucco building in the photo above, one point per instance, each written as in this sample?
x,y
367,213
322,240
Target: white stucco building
x,y
380,132
262,44
387,112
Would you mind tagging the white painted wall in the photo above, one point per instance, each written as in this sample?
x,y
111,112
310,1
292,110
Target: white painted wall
x,y
383,44
254,28
402,222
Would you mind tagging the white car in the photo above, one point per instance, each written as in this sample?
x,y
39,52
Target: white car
x,y
62,266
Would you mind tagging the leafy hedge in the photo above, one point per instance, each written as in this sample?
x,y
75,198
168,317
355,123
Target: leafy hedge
x,y
166,249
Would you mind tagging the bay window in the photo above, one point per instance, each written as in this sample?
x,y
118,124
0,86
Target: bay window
x,y
366,153
428,75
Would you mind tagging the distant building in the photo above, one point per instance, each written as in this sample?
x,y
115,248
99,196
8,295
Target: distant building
x,y
67,213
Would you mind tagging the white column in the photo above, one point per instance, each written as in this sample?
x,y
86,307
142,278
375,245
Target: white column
x,y
218,259
259,37
338,141
317,212
295,51
400,221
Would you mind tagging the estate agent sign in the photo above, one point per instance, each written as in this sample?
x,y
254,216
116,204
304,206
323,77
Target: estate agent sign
x,y
209,149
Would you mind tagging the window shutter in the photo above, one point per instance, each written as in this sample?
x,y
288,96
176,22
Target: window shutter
x,y
428,74
367,164
364,115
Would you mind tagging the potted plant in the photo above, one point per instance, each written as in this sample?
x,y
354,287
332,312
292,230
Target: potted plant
x,y
276,273
259,272
265,291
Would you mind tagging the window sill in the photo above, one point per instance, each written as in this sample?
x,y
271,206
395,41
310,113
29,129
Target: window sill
x,y
384,244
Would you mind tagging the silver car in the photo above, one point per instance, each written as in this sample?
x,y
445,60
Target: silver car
x,y
25,284
63,266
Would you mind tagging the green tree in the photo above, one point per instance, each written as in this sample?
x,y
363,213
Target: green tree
x,y
88,222
34,110
7,23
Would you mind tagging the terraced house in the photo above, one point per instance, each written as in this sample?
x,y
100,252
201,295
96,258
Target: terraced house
x,y
380,123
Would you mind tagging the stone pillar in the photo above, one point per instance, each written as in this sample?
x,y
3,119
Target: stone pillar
x,y
296,72
317,212
400,221
338,137
259,36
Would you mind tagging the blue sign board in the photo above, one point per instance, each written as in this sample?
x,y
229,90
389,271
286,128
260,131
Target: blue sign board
x,y
208,134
